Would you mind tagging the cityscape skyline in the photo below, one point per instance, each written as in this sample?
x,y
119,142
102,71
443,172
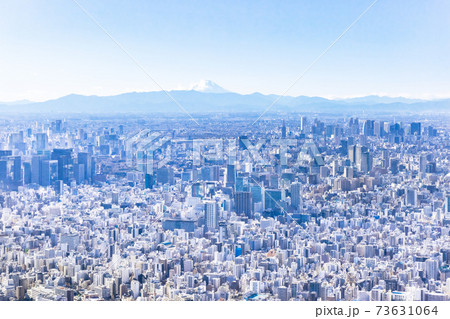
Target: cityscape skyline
x,y
156,207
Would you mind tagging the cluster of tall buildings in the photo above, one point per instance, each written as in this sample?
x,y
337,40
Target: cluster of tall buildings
x,y
308,208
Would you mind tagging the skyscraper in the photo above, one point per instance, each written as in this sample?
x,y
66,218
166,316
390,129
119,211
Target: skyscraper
x,y
27,173
303,122
351,153
416,128
36,169
64,158
368,127
3,170
243,203
17,169
272,197
44,173
423,163
231,175
447,203
363,159
411,197
385,157
87,170
41,142
365,164
211,214
296,199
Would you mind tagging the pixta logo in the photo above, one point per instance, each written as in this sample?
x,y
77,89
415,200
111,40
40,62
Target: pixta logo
x,y
148,151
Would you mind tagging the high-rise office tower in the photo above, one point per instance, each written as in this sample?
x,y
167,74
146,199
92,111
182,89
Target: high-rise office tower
x,y
303,122
256,193
447,203
385,158
27,173
20,292
35,169
348,172
79,173
44,173
358,151
64,158
386,128
41,142
87,170
3,170
57,126
211,214
365,162
296,199
416,128
352,153
272,198
17,169
243,203
363,159
231,175
377,129
354,126
368,127
411,197
431,268
335,168
423,163
16,140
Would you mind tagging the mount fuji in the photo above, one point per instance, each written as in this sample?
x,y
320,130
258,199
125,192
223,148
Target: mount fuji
x,y
207,86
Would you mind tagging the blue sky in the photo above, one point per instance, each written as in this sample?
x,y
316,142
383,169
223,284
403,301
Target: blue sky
x,y
50,48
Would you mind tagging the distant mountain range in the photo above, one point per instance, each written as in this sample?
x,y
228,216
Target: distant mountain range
x,y
208,97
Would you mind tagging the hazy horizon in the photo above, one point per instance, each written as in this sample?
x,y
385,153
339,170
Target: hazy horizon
x,y
190,88
396,49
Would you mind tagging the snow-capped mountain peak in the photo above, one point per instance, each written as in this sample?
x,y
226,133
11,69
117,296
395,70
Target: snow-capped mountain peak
x,y
207,86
